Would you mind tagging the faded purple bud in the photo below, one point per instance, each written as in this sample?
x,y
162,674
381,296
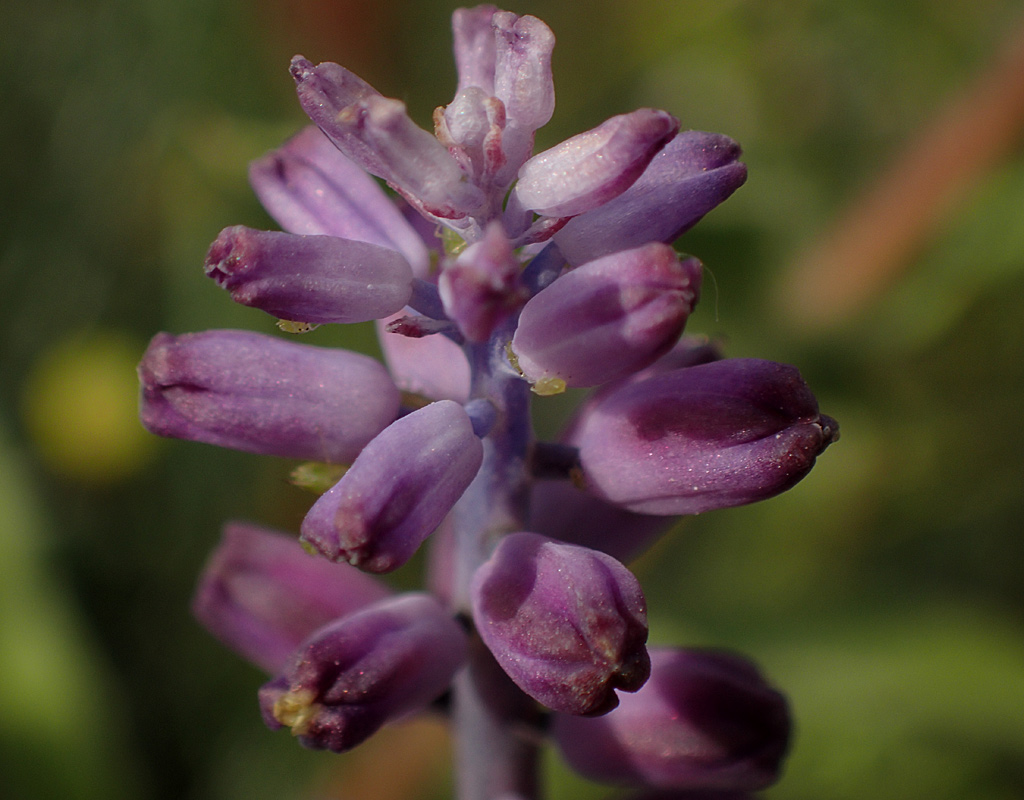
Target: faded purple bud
x,y
350,678
471,127
522,70
258,393
474,47
691,175
377,133
398,490
568,624
433,366
310,188
591,168
481,289
561,511
712,436
704,720
309,278
606,319
261,594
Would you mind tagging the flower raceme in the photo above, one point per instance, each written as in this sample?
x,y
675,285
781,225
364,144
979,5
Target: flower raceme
x,y
497,274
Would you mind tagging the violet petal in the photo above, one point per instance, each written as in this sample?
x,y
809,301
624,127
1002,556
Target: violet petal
x,y
315,279
261,594
353,676
398,490
691,175
705,720
311,188
258,393
607,318
568,624
712,436
591,168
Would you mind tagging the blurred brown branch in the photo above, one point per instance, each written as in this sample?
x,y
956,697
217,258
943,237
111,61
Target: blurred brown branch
x,y
876,239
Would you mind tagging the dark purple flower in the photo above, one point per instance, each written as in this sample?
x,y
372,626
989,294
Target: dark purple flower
x,y
704,720
258,393
568,624
353,676
711,436
261,594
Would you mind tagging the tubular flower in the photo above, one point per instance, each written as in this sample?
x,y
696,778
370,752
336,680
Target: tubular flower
x,y
495,276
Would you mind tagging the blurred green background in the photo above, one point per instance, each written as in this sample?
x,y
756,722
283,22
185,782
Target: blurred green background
x,y
878,244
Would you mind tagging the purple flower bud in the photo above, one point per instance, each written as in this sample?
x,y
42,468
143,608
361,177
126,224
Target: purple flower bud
x,y
474,47
378,135
704,720
561,511
310,188
433,367
606,319
712,436
261,594
398,490
691,175
481,289
568,624
471,127
353,676
591,168
264,395
309,278
522,70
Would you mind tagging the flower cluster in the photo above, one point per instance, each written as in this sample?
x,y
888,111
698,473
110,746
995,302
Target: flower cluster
x,y
494,275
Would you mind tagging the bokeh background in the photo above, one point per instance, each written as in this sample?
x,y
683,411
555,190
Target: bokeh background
x,y
878,244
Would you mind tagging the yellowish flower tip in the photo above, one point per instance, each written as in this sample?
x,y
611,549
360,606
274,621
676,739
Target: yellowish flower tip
x,y
546,387
291,326
316,477
512,358
309,548
296,709
414,401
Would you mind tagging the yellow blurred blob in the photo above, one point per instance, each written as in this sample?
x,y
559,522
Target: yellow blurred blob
x,y
80,406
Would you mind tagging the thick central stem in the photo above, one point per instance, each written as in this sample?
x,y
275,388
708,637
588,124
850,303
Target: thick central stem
x,y
492,718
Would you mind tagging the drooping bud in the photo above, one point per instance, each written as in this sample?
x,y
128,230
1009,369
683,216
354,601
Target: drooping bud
x,y
258,393
591,168
262,595
606,319
378,135
712,436
353,676
691,175
311,189
568,624
705,720
315,279
398,490
481,289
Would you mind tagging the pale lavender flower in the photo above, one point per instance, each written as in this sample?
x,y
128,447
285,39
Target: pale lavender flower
x,y
496,275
